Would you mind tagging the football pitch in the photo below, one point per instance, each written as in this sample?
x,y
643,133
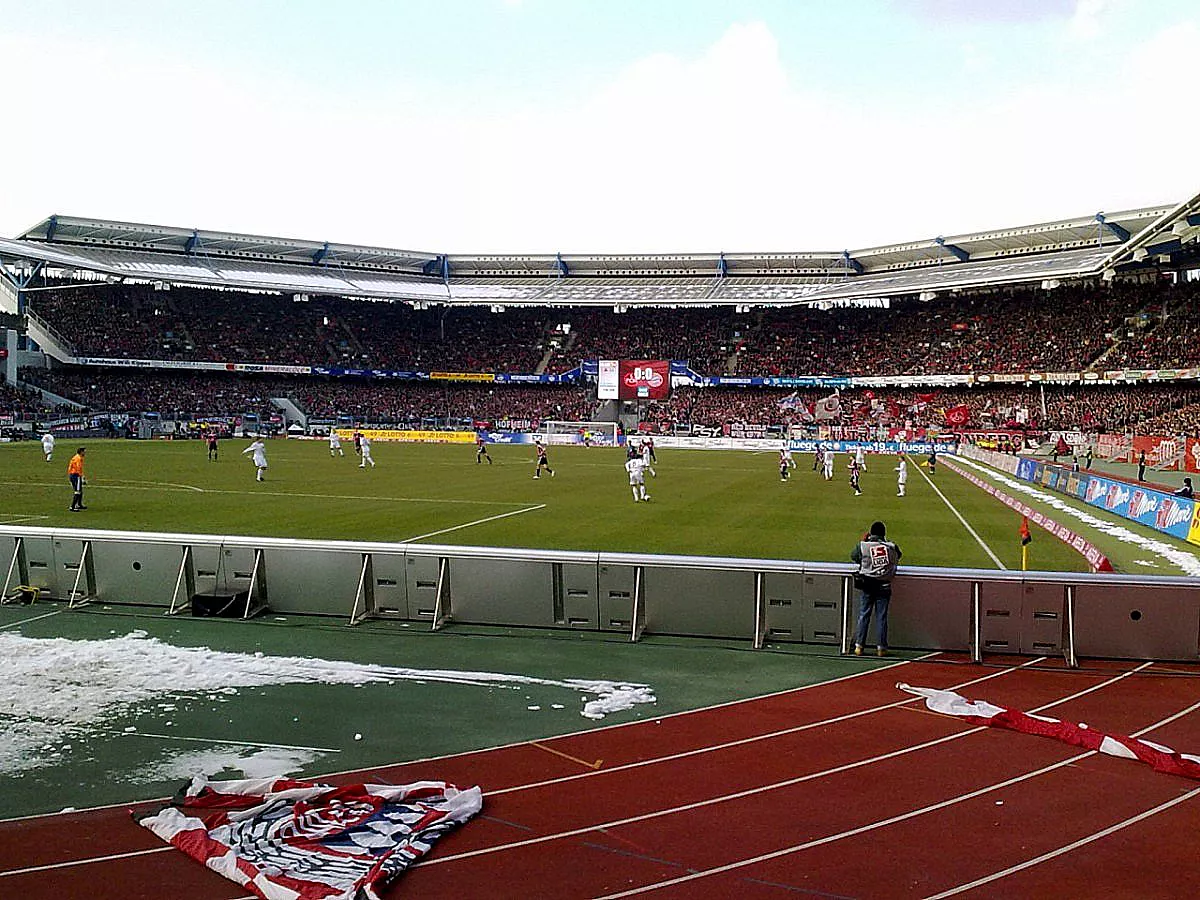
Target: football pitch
x,y
708,503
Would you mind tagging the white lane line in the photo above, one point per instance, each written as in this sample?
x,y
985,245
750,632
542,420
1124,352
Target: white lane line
x,y
27,621
902,817
227,743
587,774
1038,860
515,512
846,767
958,515
741,742
429,759
1103,833
28,870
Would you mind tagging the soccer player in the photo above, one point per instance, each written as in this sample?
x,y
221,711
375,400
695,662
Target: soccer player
x,y
212,445
786,454
481,450
357,441
860,457
542,461
364,448
335,443
259,449
854,470
784,474
902,478
75,476
817,455
648,444
828,465
932,462
648,457
637,478
48,445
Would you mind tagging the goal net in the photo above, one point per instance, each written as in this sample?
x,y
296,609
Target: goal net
x,y
596,434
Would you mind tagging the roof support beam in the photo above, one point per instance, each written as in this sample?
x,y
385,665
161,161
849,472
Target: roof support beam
x,y
956,251
1121,233
52,228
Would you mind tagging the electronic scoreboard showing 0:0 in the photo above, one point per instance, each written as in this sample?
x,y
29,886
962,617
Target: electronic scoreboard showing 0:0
x,y
634,379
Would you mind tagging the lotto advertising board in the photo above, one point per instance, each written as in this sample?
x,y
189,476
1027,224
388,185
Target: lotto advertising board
x,y
643,379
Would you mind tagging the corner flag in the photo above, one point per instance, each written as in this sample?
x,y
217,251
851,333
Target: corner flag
x,y
1026,537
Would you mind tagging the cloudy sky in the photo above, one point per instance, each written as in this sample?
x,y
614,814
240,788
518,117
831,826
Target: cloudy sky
x,y
596,125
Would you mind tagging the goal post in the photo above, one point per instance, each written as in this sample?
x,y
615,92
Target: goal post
x,y
595,434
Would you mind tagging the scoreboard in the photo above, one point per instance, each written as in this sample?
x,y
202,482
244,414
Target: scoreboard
x,y
634,379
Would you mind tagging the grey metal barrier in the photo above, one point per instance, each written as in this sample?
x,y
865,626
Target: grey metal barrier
x,y
760,601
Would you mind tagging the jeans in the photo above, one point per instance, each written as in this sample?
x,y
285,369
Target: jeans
x,y
875,599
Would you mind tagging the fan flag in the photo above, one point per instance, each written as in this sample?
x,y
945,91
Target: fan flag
x,y
1026,537
300,840
980,712
958,415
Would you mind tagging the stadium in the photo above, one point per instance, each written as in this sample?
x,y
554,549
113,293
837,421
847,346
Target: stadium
x,y
608,545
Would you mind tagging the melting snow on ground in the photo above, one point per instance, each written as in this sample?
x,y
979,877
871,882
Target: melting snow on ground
x,y
1179,557
55,691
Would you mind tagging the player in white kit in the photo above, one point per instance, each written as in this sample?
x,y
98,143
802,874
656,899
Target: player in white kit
x,y
335,444
364,447
259,449
860,457
827,468
902,478
647,458
637,478
48,445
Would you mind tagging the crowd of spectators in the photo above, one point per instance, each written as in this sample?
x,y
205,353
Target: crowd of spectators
x,y
26,404
1009,330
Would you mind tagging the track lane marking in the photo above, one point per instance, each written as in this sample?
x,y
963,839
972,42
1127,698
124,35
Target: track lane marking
x,y
628,766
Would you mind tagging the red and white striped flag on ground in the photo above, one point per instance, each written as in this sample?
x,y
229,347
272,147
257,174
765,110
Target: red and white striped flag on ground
x,y
980,712
298,840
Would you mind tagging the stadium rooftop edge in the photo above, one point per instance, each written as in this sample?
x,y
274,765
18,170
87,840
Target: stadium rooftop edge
x,y
1086,246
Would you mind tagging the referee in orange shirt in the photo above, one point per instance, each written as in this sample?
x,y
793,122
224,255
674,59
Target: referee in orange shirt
x,y
75,475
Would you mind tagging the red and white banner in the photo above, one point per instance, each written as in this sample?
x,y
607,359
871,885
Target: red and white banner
x,y
828,407
644,379
281,838
980,712
958,415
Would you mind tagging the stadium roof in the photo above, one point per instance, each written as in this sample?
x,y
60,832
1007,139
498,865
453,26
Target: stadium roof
x,y
1070,248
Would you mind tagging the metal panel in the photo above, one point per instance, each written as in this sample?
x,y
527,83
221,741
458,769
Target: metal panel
x,y
1041,618
615,584
1131,622
707,602
142,574
577,591
822,599
502,592
929,612
421,579
391,589
39,551
785,606
235,565
312,581
1000,621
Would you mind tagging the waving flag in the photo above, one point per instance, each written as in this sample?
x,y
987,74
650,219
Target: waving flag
x,y
828,407
980,712
306,841
958,415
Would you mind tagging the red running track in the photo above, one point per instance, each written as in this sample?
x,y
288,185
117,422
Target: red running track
x,y
849,789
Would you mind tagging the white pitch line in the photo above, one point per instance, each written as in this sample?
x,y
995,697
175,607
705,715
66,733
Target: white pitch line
x,y
515,512
15,519
186,487
958,515
202,740
376,497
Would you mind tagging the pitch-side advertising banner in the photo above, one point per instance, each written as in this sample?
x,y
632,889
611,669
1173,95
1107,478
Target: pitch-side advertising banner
x,y
419,437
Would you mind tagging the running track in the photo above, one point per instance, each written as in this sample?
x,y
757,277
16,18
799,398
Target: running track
x,y
843,790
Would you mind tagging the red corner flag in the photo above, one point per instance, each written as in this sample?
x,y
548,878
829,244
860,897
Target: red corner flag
x,y
1026,537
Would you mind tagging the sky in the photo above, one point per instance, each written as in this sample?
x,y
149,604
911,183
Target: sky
x,y
595,126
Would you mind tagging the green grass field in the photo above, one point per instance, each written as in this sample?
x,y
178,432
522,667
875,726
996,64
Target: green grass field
x,y
704,502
